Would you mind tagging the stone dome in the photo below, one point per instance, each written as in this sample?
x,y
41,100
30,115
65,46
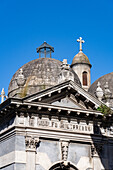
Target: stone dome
x,y
35,76
106,78
80,58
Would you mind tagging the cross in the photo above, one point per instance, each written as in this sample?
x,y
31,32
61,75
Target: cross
x,y
81,41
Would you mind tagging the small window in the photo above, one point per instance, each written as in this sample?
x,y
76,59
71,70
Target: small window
x,y
84,77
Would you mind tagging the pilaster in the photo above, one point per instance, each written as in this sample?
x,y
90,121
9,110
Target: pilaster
x,y
31,145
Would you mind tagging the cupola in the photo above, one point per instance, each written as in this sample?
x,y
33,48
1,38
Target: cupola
x,y
81,66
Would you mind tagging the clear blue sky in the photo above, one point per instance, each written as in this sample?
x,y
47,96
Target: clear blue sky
x,y
25,24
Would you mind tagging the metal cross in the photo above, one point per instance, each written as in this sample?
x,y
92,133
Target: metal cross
x,y
81,41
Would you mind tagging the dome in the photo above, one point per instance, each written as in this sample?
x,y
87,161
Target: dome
x,y
106,78
80,58
35,76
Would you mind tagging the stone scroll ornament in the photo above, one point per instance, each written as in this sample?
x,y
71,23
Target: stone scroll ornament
x,y
31,143
64,151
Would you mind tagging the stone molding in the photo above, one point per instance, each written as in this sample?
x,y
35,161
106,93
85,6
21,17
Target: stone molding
x,y
20,157
13,157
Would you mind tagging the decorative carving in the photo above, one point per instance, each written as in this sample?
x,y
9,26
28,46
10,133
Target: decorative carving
x,y
31,143
64,149
64,65
20,79
64,125
96,149
107,94
99,91
65,73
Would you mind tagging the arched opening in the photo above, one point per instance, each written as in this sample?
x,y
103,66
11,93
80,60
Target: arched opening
x,y
84,78
62,166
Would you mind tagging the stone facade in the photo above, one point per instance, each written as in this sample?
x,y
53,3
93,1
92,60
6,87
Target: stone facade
x,y
38,136
51,122
37,146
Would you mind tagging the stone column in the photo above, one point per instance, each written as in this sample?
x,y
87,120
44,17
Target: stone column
x,y
31,145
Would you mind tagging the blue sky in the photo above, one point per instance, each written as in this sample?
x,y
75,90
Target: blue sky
x,y
25,24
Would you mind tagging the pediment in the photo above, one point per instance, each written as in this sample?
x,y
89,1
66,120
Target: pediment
x,y
68,94
67,102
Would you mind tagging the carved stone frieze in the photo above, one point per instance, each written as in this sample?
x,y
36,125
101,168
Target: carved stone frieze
x,y
71,126
31,143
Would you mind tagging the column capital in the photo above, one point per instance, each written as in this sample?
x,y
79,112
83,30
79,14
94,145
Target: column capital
x,y
31,143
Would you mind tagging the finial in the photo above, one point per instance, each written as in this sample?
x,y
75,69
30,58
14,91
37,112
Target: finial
x,y
65,65
65,73
99,91
81,41
2,95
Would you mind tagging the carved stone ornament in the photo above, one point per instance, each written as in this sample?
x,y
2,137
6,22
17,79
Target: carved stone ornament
x,y
96,149
64,150
20,79
65,73
31,143
99,91
107,94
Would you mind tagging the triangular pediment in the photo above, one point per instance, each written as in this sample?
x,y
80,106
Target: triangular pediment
x,y
67,102
68,94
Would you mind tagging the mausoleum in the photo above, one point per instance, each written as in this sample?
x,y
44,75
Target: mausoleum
x,y
52,118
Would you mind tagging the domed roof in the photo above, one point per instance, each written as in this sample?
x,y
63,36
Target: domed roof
x,y
35,76
80,58
106,78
